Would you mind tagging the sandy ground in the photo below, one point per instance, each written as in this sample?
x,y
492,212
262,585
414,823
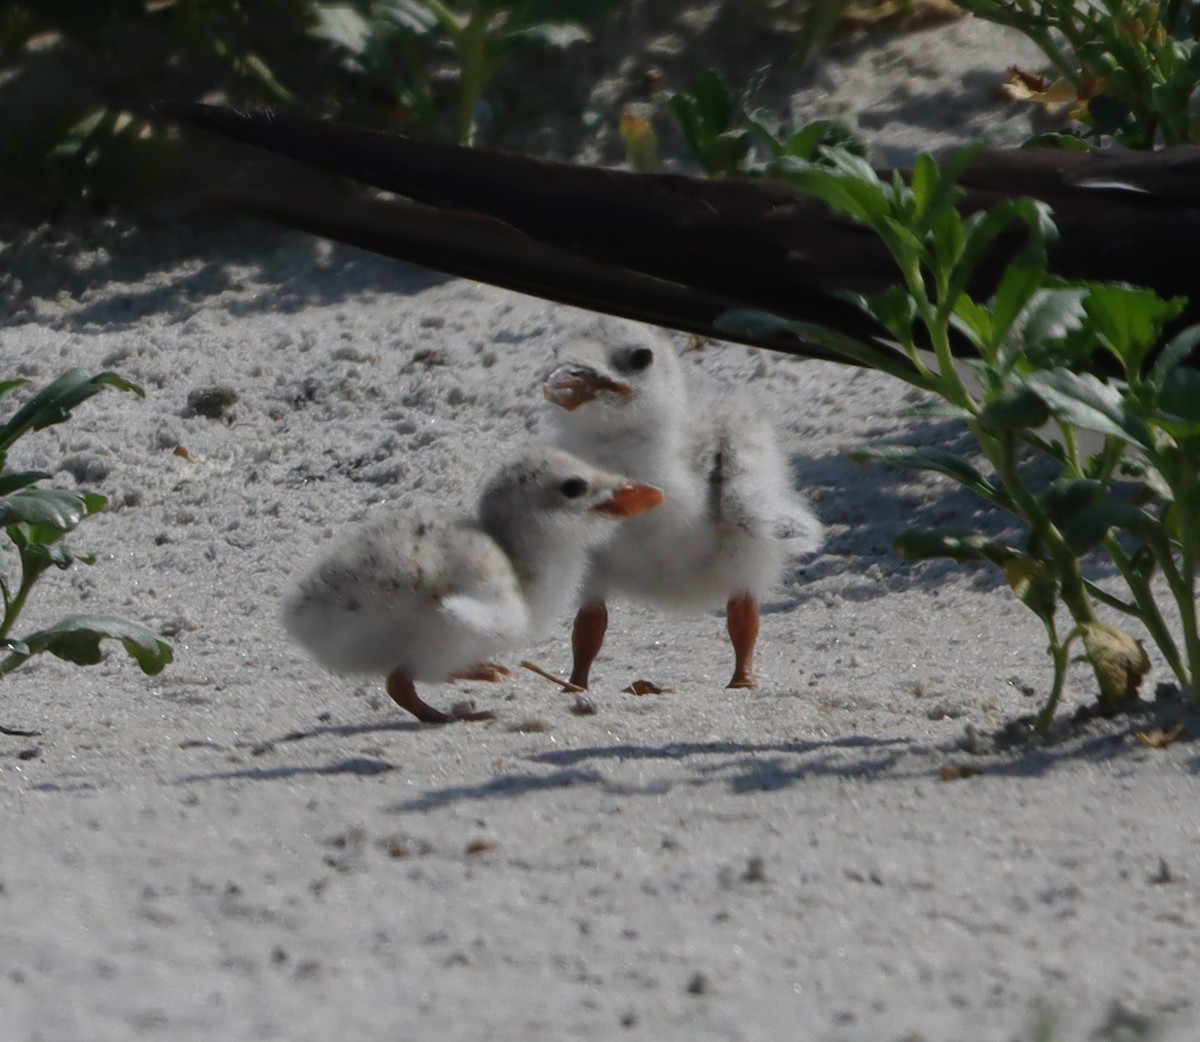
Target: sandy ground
x,y
245,847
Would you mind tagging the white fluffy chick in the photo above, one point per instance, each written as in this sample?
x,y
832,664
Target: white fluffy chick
x,y
430,598
731,519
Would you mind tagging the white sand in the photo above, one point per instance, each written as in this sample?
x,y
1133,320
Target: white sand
x,y
248,848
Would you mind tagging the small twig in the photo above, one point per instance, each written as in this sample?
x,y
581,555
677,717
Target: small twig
x,y
566,685
16,732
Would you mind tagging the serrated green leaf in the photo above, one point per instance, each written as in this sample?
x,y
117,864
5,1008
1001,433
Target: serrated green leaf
x,y
844,188
1048,320
1084,400
1130,320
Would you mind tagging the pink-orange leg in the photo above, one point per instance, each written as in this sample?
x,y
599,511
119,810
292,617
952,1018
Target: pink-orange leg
x,y
404,693
587,638
741,619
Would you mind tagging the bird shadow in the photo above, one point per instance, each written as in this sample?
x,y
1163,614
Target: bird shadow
x,y
744,765
360,765
363,766
747,768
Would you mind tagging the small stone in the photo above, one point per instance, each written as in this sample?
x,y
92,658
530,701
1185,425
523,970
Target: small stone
x,y
212,402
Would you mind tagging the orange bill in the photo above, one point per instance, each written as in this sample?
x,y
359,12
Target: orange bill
x,y
632,499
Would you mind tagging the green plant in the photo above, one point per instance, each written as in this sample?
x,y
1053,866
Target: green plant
x,y
732,137
1134,501
35,520
1133,66
433,62
76,79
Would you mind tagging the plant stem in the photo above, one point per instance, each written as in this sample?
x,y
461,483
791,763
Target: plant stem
x,y
1001,452
12,609
1147,610
1060,655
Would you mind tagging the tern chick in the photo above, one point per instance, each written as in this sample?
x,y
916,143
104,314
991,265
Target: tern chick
x,y
430,598
731,519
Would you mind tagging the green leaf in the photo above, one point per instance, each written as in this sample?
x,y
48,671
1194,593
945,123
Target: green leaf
x,y
1016,408
54,402
1048,320
1085,529
1018,286
343,26
10,483
1084,400
934,460
714,98
7,386
747,321
1177,351
1179,399
1034,584
894,309
55,509
413,15
1130,320
923,543
847,184
1066,497
77,638
555,35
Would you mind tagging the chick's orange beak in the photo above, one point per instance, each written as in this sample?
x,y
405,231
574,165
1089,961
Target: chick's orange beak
x,y
632,499
569,386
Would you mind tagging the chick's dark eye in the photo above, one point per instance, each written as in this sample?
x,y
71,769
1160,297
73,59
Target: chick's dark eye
x,y
641,358
573,488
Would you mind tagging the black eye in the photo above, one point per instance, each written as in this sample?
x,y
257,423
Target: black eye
x,y
641,358
573,488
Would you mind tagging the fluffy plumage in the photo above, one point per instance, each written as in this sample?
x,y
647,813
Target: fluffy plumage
x,y
431,598
731,519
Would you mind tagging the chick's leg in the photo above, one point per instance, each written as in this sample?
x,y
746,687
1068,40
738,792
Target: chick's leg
x,y
587,638
741,619
404,693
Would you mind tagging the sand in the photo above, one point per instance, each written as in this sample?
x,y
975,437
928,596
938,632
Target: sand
x,y
245,847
